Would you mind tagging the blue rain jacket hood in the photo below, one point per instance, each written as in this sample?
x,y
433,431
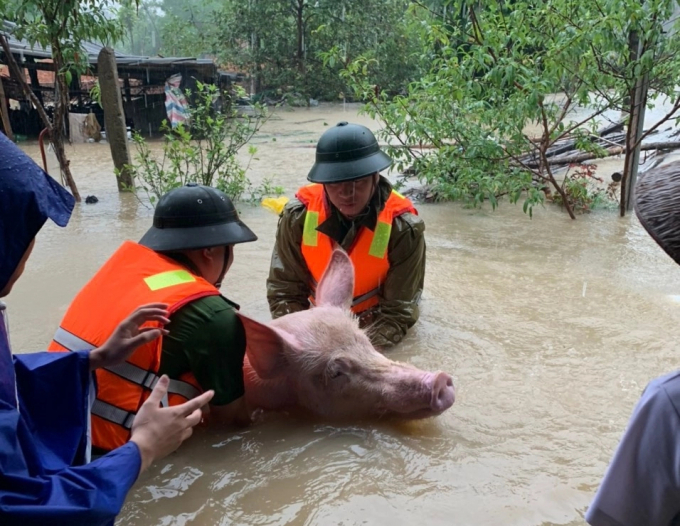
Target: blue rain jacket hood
x,y
44,409
28,197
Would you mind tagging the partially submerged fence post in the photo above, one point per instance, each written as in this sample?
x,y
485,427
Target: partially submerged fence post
x,y
636,116
114,117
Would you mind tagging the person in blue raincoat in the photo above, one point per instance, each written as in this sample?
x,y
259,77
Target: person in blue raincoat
x,y
45,474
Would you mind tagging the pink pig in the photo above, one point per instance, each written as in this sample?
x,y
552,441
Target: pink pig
x,y
319,359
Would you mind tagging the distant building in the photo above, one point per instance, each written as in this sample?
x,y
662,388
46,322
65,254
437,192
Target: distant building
x,y
142,82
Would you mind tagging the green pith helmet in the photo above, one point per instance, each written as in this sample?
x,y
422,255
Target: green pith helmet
x,y
193,217
347,152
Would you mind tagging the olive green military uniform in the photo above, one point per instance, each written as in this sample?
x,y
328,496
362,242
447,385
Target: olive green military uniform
x,y
207,339
288,283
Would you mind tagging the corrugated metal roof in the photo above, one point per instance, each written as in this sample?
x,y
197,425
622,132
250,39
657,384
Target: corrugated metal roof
x,y
24,49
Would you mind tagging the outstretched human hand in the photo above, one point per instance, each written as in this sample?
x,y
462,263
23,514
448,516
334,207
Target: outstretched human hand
x,y
129,335
158,431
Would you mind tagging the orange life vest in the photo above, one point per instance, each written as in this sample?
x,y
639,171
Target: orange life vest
x,y
368,252
133,276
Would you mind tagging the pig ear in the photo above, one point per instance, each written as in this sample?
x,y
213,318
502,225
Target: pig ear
x,y
336,286
265,347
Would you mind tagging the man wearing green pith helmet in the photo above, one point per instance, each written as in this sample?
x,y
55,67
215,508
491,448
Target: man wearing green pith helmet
x,y
350,205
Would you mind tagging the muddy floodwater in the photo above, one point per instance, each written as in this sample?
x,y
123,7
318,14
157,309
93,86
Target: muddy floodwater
x,y
550,328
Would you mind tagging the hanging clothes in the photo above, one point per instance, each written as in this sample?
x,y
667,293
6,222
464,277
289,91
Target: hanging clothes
x,y
176,105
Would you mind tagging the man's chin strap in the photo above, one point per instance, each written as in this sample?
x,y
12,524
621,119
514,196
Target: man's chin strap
x,y
227,255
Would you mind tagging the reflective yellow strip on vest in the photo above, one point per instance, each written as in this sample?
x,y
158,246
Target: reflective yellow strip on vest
x,y
309,233
398,194
381,238
168,279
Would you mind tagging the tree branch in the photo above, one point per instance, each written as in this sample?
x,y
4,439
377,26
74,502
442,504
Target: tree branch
x,y
18,74
668,116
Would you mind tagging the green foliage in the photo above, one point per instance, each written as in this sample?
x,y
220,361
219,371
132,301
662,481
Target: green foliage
x,y
585,191
142,25
507,81
96,93
277,41
266,189
64,25
204,151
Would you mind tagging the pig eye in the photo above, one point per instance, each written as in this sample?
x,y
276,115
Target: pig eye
x,y
335,374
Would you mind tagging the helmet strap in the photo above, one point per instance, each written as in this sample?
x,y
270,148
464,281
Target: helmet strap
x,y
227,255
183,260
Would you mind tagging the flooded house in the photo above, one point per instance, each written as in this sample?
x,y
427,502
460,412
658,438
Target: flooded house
x,y
145,83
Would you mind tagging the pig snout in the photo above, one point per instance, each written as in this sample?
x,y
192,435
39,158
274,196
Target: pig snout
x,y
443,393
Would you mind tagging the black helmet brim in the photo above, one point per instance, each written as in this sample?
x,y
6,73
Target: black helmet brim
x,y
194,238
343,171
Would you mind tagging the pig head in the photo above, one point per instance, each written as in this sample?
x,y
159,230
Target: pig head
x,y
321,360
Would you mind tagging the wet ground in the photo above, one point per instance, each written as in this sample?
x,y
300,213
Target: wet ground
x,y
550,328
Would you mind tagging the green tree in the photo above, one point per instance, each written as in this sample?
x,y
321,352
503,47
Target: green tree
x,y
638,45
502,87
278,42
64,26
204,150
142,26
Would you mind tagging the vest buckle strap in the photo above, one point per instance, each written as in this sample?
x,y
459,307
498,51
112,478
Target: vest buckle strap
x,y
132,373
183,389
360,299
113,414
148,380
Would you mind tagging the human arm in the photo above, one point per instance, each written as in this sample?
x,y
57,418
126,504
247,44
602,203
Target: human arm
x,y
91,494
156,431
42,448
208,340
130,334
43,477
398,309
35,490
642,483
288,282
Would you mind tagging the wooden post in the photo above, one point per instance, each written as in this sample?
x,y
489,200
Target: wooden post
x,y
637,127
114,117
638,103
128,89
4,113
75,86
35,81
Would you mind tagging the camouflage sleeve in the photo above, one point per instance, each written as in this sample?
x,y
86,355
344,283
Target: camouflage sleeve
x,y
398,308
288,281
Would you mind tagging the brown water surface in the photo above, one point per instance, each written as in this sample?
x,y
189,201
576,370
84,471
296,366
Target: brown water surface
x,y
550,327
